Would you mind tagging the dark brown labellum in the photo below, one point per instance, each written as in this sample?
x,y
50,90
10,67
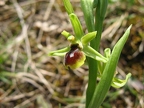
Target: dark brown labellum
x,y
74,58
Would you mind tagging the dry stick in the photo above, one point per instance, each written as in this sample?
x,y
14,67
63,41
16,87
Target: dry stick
x,y
111,30
31,81
33,78
26,102
28,49
19,12
75,105
48,73
45,18
6,93
42,79
16,41
141,2
23,95
10,11
23,25
15,56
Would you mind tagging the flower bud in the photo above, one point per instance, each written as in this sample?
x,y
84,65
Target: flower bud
x,y
74,58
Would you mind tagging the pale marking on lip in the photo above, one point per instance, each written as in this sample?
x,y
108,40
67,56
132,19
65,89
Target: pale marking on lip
x,y
72,54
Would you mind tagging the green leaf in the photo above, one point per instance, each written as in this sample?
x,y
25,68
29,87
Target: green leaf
x,y
108,73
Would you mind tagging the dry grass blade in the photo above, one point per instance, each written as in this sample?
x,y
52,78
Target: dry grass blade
x,y
45,18
75,105
26,102
16,97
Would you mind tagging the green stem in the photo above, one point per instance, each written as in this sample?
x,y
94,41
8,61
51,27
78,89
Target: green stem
x,y
93,70
87,8
99,22
93,65
91,81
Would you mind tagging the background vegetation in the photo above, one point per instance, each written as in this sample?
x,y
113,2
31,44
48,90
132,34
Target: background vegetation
x,y
30,29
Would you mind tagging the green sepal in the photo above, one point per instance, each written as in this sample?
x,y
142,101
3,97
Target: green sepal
x,y
76,26
66,34
88,37
68,6
60,52
70,37
117,83
90,52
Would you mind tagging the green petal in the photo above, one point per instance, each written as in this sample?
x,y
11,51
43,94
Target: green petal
x,y
107,52
90,52
60,52
117,83
66,34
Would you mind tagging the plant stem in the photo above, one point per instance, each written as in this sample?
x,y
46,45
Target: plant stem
x,y
100,14
91,81
93,66
87,8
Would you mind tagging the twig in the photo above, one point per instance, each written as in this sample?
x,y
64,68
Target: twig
x,y
75,105
23,24
5,94
16,97
42,79
26,102
45,18
15,56
25,79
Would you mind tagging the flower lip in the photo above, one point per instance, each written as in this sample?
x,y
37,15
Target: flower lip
x,y
75,57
